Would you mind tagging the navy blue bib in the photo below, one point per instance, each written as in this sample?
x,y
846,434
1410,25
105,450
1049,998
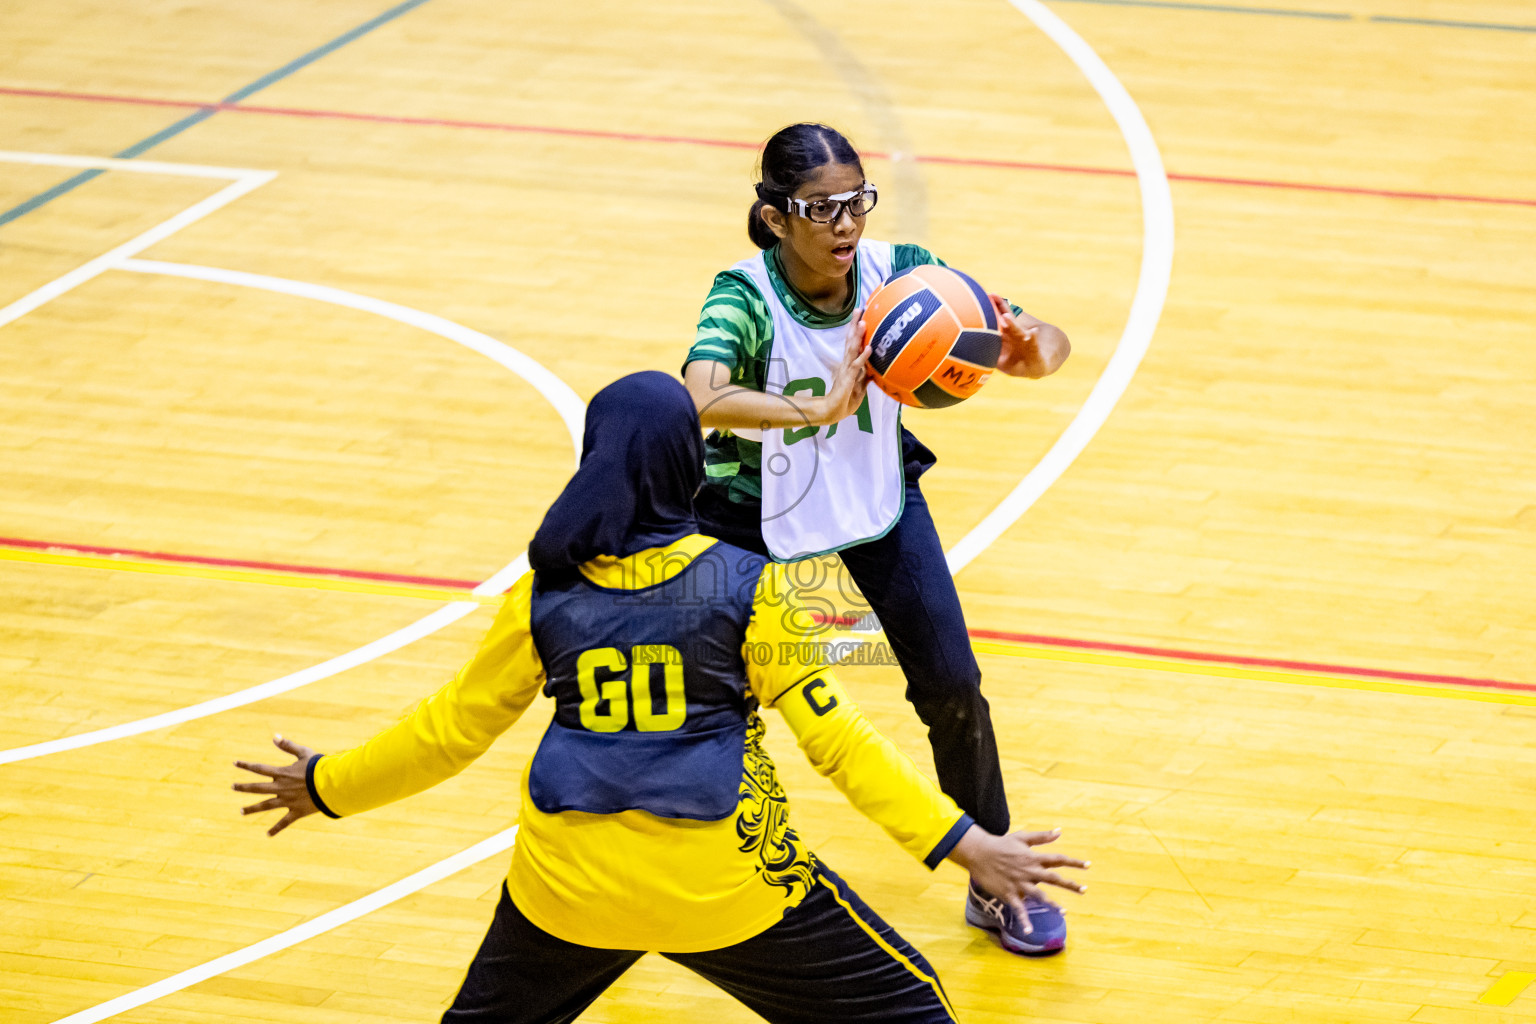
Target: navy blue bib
x,y
650,690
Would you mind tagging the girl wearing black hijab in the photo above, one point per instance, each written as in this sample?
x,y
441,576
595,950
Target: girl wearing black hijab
x,y
652,818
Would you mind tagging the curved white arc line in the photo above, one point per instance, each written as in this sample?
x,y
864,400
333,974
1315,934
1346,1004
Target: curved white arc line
x,y
498,843
1146,307
422,627
502,580
565,402
570,408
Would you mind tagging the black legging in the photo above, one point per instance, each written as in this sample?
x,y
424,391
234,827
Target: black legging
x,y
906,581
821,962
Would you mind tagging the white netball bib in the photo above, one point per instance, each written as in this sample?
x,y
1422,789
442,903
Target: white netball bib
x,y
828,487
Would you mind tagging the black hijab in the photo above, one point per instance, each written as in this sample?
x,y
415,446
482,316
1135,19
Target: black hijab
x,y
642,461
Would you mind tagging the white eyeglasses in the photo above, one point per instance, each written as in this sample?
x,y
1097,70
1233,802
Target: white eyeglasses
x,y
824,211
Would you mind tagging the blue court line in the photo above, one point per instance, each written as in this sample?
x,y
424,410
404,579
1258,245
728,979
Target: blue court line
x,y
48,196
1493,25
24,208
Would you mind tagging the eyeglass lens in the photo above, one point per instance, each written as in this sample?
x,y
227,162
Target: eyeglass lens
x,y
827,210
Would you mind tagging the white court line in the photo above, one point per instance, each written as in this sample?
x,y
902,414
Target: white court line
x,y
244,181
565,401
425,626
498,843
555,391
112,163
1146,307
1151,292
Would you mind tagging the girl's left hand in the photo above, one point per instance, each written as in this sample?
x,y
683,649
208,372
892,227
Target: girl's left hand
x,y
1031,348
288,789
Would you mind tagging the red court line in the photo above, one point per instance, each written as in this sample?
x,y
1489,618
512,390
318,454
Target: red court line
x,y
1178,654
495,126
1207,179
1234,659
980,634
235,563
1202,179
98,97
692,140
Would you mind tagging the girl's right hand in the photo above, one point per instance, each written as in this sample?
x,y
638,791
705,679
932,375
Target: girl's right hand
x,y
851,379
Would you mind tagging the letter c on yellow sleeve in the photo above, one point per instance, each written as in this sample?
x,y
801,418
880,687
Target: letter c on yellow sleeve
x,y
820,704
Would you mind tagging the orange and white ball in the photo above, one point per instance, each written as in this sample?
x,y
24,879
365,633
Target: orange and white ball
x,y
933,337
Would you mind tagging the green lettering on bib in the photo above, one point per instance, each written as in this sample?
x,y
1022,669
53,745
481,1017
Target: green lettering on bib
x,y
817,387
866,423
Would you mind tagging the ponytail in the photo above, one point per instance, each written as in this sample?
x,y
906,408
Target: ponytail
x,y
789,159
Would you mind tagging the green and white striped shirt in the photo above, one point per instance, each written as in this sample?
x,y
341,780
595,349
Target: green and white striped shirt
x,y
735,328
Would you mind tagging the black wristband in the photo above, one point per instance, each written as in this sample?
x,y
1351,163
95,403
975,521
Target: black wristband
x,y
951,838
314,794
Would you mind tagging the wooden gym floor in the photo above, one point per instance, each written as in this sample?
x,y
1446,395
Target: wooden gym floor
x,y
1266,650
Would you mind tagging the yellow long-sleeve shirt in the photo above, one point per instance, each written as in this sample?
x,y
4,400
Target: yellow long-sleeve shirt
x,y
633,880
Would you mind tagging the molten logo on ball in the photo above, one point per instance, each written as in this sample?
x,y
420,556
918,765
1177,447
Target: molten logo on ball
x,y
933,337
901,324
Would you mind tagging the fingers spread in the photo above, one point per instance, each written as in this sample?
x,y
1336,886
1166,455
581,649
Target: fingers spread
x,y
1061,860
298,750
265,805
1052,878
257,787
1040,838
259,769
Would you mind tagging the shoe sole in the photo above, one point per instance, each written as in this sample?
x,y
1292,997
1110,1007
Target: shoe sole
x,y
1008,942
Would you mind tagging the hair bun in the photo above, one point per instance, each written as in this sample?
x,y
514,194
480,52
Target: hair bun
x,y
757,228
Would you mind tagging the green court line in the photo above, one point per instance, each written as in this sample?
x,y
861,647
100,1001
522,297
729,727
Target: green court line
x,y
63,187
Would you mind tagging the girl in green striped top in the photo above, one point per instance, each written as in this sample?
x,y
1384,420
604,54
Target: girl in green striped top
x,y
778,366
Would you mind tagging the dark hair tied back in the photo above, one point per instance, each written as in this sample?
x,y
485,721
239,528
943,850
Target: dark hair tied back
x,y
789,159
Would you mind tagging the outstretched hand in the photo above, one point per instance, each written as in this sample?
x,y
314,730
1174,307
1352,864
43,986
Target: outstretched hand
x,y
288,789
1009,867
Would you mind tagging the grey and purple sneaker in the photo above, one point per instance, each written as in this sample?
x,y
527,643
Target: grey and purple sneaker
x,y
1048,926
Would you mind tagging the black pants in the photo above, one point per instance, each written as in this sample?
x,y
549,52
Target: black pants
x,y
822,962
907,583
